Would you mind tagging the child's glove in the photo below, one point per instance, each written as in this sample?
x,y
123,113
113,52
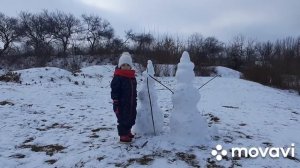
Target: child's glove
x,y
116,106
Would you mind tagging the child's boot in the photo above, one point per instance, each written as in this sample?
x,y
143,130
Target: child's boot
x,y
125,139
131,135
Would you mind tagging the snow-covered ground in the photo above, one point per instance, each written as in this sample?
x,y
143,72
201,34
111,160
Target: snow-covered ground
x,y
59,119
227,72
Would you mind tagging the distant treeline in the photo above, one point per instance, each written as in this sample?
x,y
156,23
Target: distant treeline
x,y
47,35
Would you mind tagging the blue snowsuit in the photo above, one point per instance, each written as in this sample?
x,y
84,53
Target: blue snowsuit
x,y
124,96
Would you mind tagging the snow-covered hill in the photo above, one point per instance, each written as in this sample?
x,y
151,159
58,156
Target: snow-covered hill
x,y
227,72
60,119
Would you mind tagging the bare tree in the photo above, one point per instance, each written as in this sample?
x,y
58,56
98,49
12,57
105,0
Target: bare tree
x,y
251,52
195,45
96,29
236,52
165,50
64,27
265,51
212,48
9,32
37,30
142,45
142,41
195,42
115,46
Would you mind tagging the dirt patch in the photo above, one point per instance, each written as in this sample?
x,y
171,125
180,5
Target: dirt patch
x,y
212,164
80,164
228,139
243,135
230,107
202,147
28,140
51,161
100,158
293,158
212,118
267,144
144,160
102,129
11,77
94,136
242,124
190,159
147,159
3,103
234,163
17,156
49,149
55,125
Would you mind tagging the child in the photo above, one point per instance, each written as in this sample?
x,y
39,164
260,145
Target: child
x,y
124,96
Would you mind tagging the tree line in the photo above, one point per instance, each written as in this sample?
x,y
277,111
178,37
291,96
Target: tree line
x,y
47,35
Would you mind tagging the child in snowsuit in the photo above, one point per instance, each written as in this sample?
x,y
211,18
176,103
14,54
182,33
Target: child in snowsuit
x,y
124,96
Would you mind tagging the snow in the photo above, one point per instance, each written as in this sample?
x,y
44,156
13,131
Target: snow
x,y
186,120
96,71
145,113
43,75
227,72
79,117
2,72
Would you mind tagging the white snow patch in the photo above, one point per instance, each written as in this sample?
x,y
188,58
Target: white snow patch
x,y
227,72
44,75
98,70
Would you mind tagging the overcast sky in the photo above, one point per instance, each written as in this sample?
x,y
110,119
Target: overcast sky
x,y
257,19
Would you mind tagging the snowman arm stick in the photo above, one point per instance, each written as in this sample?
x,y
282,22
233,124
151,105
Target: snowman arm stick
x,y
161,83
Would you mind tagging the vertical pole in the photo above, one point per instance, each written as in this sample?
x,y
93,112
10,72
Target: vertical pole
x,y
150,104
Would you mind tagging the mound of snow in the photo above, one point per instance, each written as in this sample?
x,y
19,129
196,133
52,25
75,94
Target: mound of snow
x,y
44,75
148,96
227,72
98,70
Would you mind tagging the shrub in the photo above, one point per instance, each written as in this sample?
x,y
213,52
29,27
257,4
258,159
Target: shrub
x,y
11,77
